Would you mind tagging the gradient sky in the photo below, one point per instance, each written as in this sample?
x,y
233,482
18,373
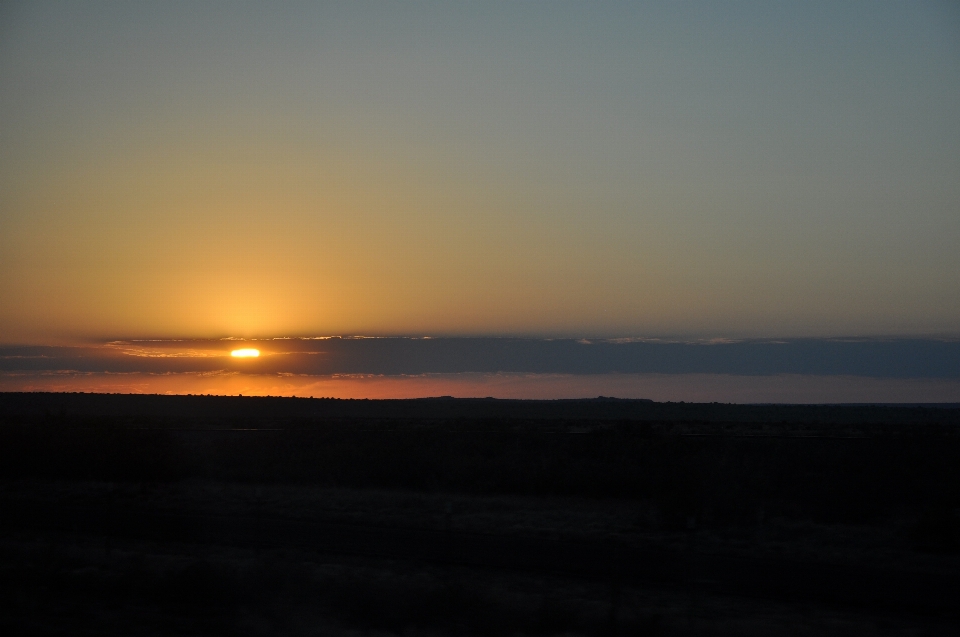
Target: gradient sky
x,y
568,169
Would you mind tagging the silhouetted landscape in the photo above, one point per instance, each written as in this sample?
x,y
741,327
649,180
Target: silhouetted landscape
x,y
373,319
127,514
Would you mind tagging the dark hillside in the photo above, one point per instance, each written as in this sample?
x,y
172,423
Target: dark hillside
x,y
149,501
183,410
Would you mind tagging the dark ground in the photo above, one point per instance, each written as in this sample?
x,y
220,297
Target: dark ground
x,y
254,516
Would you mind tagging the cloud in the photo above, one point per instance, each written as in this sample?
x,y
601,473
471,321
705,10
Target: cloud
x,y
877,358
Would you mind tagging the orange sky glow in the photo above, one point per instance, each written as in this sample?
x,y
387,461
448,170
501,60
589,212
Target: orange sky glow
x,y
562,170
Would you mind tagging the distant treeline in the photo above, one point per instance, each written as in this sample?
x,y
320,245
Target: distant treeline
x,y
207,410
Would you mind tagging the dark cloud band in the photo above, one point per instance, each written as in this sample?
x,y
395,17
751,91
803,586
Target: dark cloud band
x,y
887,358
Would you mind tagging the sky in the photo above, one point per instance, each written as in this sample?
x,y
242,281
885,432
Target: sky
x,y
749,170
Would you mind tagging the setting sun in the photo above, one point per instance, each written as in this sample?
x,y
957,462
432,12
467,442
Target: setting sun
x,y
245,353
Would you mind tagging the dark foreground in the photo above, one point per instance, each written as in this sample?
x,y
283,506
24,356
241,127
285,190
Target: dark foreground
x,y
242,516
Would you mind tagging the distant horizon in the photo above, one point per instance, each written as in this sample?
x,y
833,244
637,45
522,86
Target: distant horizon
x,y
936,405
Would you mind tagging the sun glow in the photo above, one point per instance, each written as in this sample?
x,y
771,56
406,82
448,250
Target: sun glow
x,y
245,353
